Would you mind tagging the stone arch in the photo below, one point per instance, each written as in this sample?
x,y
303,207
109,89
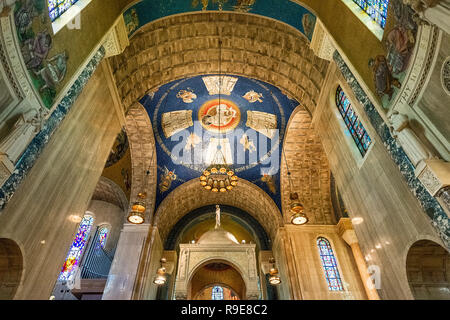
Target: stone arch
x,y
11,267
234,265
190,196
186,45
310,171
108,191
143,156
428,270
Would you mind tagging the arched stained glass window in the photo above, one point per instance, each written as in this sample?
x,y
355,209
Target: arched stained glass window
x,y
329,265
217,293
76,250
57,7
102,236
355,127
376,9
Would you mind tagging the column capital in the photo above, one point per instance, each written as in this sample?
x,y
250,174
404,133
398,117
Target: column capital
x,y
346,231
434,175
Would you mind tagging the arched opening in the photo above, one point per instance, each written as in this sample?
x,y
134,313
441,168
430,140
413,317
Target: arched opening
x,y
217,292
11,267
213,274
428,271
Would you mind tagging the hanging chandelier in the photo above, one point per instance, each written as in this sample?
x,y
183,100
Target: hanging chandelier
x,y
218,176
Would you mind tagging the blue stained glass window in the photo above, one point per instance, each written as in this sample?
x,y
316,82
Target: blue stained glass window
x,y
102,236
76,250
376,9
329,265
217,293
57,7
355,127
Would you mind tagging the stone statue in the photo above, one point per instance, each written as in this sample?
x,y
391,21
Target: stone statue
x,y
217,217
21,134
411,144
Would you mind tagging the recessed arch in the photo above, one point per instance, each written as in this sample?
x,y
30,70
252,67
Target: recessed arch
x,y
251,223
309,167
143,156
11,268
245,196
229,275
428,271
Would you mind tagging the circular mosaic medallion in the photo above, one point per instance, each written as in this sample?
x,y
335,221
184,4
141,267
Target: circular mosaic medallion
x,y
223,114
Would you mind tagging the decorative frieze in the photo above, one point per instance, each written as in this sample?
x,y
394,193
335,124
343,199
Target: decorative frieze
x,y
429,204
417,74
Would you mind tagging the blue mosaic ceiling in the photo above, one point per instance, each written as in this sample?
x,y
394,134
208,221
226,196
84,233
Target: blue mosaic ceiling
x,y
285,11
186,116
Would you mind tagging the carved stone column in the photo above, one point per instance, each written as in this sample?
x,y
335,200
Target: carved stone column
x,y
346,231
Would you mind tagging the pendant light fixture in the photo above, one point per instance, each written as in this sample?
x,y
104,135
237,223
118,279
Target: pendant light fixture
x,y
161,278
274,278
297,210
137,213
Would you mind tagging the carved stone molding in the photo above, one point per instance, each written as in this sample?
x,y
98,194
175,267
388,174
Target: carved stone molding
x,y
11,59
240,256
444,195
445,75
420,62
321,43
117,39
434,175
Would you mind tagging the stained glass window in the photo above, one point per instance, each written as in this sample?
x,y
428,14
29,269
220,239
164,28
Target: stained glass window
x,y
217,293
76,250
57,7
102,236
355,127
376,9
329,265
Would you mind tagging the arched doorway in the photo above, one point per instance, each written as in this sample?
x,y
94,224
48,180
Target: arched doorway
x,y
217,279
428,271
11,267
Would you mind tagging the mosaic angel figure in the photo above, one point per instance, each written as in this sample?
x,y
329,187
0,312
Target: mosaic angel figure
x,y
188,96
166,180
252,96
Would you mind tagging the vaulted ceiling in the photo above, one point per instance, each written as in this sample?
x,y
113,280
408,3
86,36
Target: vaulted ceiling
x,y
183,46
